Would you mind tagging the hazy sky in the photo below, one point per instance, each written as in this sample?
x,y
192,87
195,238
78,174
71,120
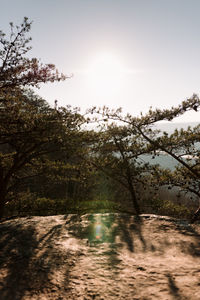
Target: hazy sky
x,y
123,53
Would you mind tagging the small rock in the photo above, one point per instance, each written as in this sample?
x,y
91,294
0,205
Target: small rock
x,y
141,268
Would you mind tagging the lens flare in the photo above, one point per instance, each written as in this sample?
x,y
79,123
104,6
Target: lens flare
x,y
98,230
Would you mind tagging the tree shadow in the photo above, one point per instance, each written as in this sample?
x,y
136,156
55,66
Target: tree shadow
x,y
132,228
186,229
173,288
112,230
28,263
18,258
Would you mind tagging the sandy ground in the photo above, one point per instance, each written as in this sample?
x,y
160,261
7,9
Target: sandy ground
x,y
99,256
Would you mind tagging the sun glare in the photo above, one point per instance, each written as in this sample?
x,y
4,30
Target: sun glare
x,y
105,75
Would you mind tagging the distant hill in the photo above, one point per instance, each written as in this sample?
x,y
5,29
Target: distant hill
x,y
165,160
170,127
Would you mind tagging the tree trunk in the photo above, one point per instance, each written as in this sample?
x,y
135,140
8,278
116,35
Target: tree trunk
x,y
135,202
196,215
3,192
133,195
2,206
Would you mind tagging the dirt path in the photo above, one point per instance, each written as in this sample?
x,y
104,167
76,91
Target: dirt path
x,y
99,256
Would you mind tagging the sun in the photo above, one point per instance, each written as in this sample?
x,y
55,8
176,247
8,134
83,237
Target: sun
x,y
105,64
105,75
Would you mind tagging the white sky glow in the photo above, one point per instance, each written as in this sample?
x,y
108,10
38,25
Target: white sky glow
x,y
123,53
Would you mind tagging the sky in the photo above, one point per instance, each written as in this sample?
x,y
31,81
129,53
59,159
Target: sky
x,y
132,54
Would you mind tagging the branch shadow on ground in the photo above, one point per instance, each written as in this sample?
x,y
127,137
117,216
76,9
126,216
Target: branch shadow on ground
x,y
29,262
192,248
112,230
117,230
173,288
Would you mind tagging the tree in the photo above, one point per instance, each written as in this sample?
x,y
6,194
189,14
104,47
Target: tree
x,y
182,145
117,153
29,128
29,131
17,70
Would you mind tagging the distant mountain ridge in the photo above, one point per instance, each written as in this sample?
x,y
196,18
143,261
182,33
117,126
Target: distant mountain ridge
x,y
163,159
169,127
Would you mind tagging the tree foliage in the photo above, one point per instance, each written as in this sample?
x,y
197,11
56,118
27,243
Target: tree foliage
x,y
182,145
29,129
18,70
117,153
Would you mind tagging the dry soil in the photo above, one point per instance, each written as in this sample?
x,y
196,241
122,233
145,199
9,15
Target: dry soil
x,y
99,256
